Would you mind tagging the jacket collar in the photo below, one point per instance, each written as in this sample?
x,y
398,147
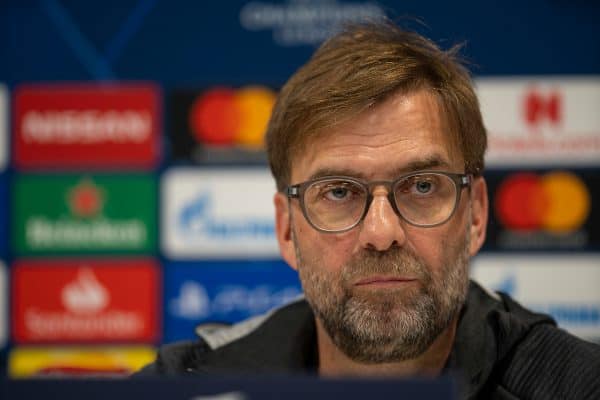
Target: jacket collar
x,y
490,326
285,340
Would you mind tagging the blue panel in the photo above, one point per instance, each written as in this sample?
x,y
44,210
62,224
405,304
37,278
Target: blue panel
x,y
222,291
178,43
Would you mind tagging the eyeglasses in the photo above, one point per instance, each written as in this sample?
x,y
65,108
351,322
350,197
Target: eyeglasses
x,y
339,203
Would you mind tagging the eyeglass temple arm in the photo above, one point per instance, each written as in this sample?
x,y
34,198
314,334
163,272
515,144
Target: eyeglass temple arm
x,y
466,180
293,191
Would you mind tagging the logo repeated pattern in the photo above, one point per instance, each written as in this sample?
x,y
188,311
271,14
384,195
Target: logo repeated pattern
x,y
564,286
89,223
100,126
543,210
539,122
90,214
61,301
3,127
85,154
3,305
225,213
223,292
97,361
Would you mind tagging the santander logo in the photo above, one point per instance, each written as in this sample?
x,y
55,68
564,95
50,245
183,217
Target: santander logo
x,y
85,295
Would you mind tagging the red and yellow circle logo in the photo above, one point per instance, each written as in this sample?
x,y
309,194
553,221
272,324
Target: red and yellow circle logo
x,y
557,202
225,117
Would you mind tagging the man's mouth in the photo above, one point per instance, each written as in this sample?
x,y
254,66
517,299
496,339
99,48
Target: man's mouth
x,y
373,281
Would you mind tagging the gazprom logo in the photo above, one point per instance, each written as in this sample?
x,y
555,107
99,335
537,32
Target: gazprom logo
x,y
196,218
565,313
563,286
218,213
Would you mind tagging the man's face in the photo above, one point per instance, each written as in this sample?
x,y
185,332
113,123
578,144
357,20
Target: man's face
x,y
384,290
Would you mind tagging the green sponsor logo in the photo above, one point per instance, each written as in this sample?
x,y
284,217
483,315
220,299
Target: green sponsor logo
x,y
84,214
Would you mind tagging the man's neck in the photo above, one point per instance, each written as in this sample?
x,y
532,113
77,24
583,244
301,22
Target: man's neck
x,y
333,362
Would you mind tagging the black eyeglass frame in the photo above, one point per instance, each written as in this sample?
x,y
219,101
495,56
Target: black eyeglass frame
x,y
297,191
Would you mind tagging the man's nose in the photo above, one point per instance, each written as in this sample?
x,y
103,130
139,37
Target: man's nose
x,y
382,228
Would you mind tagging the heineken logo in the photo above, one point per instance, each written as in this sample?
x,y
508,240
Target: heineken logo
x,y
86,199
90,214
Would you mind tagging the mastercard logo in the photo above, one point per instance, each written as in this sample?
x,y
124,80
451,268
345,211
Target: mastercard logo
x,y
557,202
224,117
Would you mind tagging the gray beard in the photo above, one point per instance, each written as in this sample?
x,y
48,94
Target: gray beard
x,y
386,325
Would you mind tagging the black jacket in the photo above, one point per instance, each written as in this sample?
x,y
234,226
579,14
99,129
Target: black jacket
x,y
501,350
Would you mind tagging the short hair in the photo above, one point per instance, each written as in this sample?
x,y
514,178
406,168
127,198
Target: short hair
x,y
361,67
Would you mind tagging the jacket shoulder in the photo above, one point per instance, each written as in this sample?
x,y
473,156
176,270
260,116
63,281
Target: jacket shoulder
x,y
551,363
175,358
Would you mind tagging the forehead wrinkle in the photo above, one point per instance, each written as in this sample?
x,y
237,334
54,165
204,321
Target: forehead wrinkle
x,y
410,125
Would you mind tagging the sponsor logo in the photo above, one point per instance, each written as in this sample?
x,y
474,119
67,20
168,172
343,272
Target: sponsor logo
x,y
92,300
218,212
542,210
85,295
564,286
541,121
27,362
86,199
86,125
61,213
5,211
3,127
557,201
193,301
539,108
3,305
305,22
221,124
197,218
223,292
225,116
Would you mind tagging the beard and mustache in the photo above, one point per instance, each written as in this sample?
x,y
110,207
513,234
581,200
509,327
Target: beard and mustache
x,y
390,324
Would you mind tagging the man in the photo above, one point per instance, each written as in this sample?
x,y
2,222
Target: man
x,y
377,148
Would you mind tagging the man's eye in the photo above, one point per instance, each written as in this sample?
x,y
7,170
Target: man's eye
x,y
337,193
423,187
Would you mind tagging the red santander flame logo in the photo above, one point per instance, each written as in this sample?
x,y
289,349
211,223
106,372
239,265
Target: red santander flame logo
x,y
88,300
85,295
541,107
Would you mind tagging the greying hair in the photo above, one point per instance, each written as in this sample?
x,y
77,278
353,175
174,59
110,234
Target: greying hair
x,y
361,67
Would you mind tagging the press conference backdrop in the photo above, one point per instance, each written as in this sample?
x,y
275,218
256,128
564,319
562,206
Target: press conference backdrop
x,y
135,201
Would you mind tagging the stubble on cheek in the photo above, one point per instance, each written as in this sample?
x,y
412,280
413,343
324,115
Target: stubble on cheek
x,y
389,324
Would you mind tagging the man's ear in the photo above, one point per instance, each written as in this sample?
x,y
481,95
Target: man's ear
x,y
479,214
283,229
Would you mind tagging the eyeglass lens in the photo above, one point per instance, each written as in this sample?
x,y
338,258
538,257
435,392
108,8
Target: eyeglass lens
x,y
337,204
